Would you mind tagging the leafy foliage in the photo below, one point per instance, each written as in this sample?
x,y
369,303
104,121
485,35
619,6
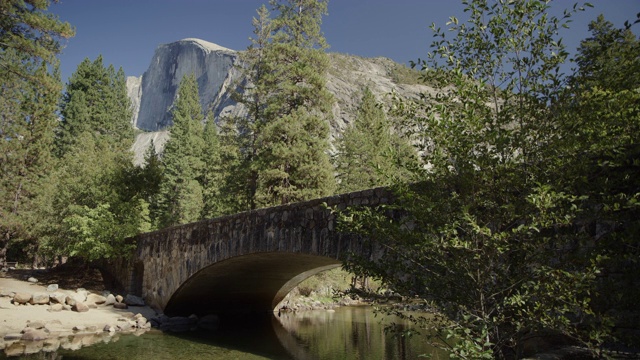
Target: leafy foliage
x,y
601,119
489,236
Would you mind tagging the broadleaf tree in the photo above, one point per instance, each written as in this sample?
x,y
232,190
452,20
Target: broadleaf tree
x,y
488,235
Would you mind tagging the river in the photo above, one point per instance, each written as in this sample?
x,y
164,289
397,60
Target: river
x,y
346,333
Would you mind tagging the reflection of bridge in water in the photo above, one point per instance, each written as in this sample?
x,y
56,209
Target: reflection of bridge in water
x,y
241,263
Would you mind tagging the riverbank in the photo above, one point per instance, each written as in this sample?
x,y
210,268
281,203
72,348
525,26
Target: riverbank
x,y
29,324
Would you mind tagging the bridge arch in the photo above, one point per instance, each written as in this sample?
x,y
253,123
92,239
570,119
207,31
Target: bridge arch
x,y
244,262
245,284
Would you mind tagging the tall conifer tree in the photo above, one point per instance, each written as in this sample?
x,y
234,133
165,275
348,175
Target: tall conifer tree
x,y
253,93
369,152
292,163
212,176
96,101
29,41
180,199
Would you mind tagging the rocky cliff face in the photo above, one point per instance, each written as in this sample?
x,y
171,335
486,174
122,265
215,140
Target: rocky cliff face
x,y
153,94
210,63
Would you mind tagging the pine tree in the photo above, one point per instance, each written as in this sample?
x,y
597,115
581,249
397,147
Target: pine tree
x,y
212,175
29,42
96,101
369,151
238,182
292,163
253,94
180,199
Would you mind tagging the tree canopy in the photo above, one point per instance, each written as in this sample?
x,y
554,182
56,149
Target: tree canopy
x,y
30,39
494,236
287,133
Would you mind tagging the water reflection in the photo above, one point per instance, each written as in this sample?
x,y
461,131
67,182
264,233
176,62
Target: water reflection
x,y
347,333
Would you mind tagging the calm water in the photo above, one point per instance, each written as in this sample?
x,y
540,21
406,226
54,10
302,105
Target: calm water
x,y
347,333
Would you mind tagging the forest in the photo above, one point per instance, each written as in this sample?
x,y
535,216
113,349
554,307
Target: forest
x,y
520,183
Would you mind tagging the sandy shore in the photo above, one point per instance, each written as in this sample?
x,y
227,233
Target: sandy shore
x,y
14,318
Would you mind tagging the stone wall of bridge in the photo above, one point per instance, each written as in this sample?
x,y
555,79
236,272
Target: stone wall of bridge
x,y
247,261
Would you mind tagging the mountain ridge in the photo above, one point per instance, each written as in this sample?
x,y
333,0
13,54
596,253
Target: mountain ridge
x,y
153,93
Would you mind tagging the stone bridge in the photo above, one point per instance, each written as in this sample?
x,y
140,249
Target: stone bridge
x,y
241,263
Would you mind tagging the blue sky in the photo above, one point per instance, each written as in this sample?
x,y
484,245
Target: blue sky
x,y
126,32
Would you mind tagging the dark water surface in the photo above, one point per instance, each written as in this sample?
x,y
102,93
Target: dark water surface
x,y
346,333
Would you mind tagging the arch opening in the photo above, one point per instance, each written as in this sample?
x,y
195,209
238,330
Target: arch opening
x,y
245,284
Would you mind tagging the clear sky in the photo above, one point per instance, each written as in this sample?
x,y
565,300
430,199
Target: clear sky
x,y
126,32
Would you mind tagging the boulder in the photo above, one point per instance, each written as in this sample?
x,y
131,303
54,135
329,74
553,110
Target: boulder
x,y
125,324
110,300
133,300
80,307
15,349
157,321
74,298
119,298
141,322
32,280
120,305
109,328
82,294
34,335
7,293
179,324
52,287
21,298
39,299
57,297
96,299
50,345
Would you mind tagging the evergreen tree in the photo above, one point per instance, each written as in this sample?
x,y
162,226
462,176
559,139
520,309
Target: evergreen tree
x,y
212,176
253,93
29,42
96,101
28,31
369,151
238,182
292,163
151,173
180,198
